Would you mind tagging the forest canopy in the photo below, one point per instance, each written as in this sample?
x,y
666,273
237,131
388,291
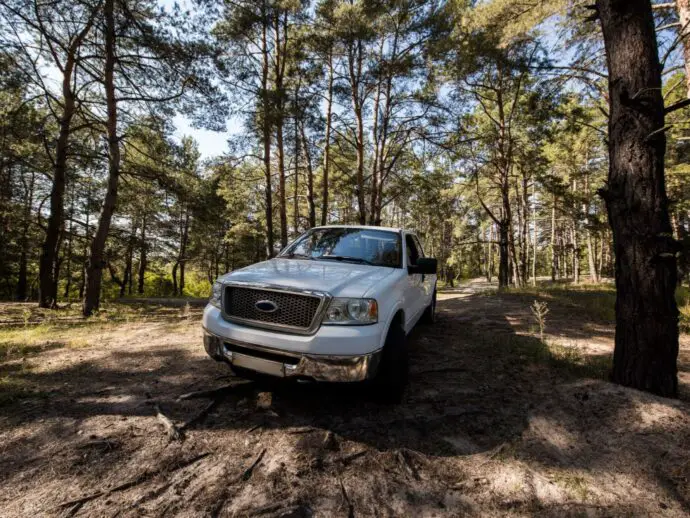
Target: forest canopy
x,y
480,125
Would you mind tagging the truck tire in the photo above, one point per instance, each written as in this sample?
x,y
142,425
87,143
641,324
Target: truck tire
x,y
391,378
429,315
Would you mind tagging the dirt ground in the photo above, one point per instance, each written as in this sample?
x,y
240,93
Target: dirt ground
x,y
495,423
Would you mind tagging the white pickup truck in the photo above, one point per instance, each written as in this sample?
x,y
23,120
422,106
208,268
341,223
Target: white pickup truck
x,y
335,305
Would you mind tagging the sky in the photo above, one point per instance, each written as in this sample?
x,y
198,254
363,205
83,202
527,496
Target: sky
x,y
211,143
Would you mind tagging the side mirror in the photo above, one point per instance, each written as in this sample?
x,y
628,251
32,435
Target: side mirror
x,y
425,265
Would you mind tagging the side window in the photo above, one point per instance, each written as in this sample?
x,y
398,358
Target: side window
x,y
419,246
412,252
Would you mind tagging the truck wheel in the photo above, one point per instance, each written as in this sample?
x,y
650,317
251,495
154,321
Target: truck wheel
x,y
391,377
429,315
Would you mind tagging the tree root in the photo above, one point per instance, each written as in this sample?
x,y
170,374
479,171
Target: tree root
x,y
174,433
143,477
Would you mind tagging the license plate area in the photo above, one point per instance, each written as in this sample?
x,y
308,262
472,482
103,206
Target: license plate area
x,y
258,364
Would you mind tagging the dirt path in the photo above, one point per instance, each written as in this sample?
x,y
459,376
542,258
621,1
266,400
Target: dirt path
x,y
494,423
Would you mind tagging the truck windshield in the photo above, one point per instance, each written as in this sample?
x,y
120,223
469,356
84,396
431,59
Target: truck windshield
x,y
356,245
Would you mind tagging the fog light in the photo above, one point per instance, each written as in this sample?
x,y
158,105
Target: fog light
x,y
213,346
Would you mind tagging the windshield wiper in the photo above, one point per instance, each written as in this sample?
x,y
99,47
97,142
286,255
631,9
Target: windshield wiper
x,y
346,258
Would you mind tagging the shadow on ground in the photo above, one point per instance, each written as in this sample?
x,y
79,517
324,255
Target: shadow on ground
x,y
478,387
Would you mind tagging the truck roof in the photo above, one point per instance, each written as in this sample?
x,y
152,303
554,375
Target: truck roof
x,y
369,227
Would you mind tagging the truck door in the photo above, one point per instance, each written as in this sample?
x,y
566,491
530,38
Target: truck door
x,y
415,298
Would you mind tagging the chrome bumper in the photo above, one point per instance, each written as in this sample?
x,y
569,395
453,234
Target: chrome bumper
x,y
282,364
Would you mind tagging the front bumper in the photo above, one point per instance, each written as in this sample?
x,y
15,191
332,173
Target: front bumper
x,y
283,364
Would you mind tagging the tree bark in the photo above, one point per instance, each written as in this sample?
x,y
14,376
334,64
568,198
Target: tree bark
x,y
534,229
327,141
295,192
591,257
355,63
646,342
22,283
554,256
143,260
47,293
94,271
503,256
183,249
280,60
68,255
266,129
310,178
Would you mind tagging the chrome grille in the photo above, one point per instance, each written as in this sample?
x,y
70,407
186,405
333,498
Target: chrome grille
x,y
293,310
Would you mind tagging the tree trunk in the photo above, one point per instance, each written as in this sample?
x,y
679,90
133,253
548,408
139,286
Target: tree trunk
x,y
87,233
683,7
94,271
183,249
490,266
375,139
554,256
327,141
47,293
22,283
143,261
68,255
174,277
282,197
591,257
534,240
503,256
594,277
266,128
646,342
280,58
47,290
310,178
576,255
355,63
295,193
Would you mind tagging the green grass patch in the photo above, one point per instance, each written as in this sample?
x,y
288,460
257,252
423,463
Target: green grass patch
x,y
576,485
595,301
527,349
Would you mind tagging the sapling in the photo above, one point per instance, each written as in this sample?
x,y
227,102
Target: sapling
x,y
540,310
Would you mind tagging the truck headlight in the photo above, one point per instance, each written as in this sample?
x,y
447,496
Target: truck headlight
x,y
352,312
216,293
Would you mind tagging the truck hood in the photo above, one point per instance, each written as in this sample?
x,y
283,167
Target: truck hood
x,y
340,279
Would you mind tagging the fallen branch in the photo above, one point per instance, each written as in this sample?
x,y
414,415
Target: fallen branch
x,y
352,456
174,433
248,472
350,507
407,464
305,429
276,509
75,508
255,427
143,477
220,391
200,416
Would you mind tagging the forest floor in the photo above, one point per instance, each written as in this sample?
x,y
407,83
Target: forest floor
x,y
495,421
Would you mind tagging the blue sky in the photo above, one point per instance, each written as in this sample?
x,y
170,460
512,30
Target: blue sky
x,y
211,143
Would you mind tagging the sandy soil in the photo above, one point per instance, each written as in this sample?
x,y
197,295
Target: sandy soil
x,y
494,423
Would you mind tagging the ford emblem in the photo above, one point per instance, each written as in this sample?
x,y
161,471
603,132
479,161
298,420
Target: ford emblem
x,y
266,306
